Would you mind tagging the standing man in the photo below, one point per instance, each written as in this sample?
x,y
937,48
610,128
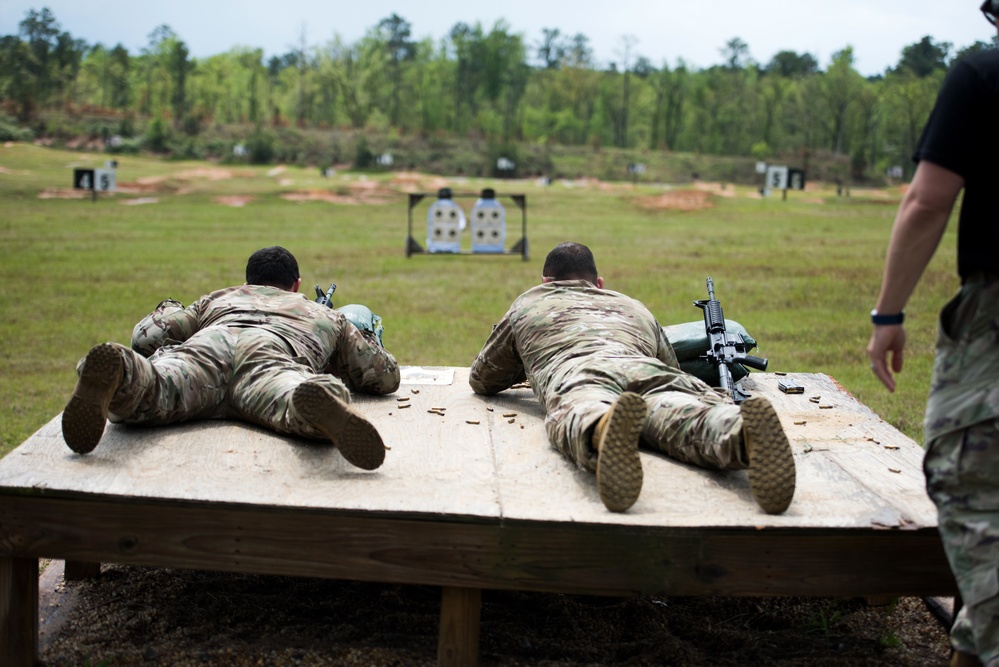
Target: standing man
x,y
608,379
959,149
260,352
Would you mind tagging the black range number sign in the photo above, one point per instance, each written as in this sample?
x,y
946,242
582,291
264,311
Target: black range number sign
x,y
100,180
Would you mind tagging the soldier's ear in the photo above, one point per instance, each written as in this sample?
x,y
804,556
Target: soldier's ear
x,y
294,288
600,282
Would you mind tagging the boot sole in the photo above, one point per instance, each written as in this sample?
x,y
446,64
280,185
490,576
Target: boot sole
x,y
356,438
619,466
771,463
86,414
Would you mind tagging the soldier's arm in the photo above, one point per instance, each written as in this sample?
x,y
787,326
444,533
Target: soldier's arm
x,y
169,324
498,365
363,364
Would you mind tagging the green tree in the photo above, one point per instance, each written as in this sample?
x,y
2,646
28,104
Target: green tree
x,y
394,32
792,65
40,32
179,67
551,51
924,57
909,100
736,54
840,88
976,47
621,127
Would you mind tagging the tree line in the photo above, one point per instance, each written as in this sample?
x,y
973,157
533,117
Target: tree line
x,y
490,84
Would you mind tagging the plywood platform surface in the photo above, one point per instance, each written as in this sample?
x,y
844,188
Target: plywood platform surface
x,y
488,459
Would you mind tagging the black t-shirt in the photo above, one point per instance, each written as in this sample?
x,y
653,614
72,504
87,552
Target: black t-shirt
x,y
962,135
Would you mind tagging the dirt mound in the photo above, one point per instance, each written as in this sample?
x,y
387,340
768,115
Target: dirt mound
x,y
205,174
235,201
720,189
63,193
352,193
412,181
138,188
677,200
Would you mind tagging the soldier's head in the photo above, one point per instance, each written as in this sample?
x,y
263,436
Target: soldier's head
x,y
273,266
571,261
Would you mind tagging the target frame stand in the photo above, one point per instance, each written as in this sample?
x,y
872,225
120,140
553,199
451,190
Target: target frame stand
x,y
519,248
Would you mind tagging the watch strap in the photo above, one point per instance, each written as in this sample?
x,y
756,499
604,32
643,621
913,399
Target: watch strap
x,y
879,319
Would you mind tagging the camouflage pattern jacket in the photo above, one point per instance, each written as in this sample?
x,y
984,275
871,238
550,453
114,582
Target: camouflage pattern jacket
x,y
556,327
321,338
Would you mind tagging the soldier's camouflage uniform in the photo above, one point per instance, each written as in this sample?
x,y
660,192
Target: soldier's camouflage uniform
x,y
962,459
239,352
581,347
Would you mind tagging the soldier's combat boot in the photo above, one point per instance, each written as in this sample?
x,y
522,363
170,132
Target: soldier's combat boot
x,y
86,414
619,467
355,437
771,464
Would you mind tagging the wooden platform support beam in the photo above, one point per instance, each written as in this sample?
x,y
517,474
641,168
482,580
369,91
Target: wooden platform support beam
x,y
18,611
458,642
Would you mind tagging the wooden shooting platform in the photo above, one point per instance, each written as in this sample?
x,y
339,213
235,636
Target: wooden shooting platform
x,y
471,496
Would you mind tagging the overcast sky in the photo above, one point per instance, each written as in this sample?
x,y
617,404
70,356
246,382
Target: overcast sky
x,y
663,30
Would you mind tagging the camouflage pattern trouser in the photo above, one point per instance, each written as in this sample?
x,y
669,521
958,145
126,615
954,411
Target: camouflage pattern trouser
x,y
218,373
962,461
687,420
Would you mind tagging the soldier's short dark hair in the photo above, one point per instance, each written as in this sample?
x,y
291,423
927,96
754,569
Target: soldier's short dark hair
x,y
570,261
272,266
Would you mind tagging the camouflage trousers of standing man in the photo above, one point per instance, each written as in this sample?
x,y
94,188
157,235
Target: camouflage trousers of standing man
x,y
219,373
687,419
962,460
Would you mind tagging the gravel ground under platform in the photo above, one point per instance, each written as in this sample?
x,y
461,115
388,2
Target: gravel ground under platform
x,y
161,617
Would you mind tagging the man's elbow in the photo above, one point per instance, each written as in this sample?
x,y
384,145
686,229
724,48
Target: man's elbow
x,y
482,388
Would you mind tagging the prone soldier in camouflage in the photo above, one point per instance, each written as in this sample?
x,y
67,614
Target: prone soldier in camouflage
x,y
956,151
260,352
600,364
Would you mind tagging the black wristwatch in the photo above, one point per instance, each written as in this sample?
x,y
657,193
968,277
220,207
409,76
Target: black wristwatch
x,y
886,320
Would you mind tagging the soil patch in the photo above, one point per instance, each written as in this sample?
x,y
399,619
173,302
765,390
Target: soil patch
x,y
677,200
354,192
64,193
720,189
236,201
412,181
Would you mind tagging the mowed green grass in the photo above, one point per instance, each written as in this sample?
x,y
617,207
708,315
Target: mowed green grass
x,y
801,275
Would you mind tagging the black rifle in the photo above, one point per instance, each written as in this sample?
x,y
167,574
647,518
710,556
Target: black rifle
x,y
724,348
327,298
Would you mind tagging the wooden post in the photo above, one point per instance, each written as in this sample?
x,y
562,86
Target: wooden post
x,y
18,611
458,643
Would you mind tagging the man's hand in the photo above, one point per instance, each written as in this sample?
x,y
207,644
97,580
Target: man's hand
x,y
885,341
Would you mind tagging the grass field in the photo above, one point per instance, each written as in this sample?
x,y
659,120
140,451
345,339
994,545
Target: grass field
x,y
801,275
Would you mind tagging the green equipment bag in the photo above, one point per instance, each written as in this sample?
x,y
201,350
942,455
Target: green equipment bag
x,y
361,317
